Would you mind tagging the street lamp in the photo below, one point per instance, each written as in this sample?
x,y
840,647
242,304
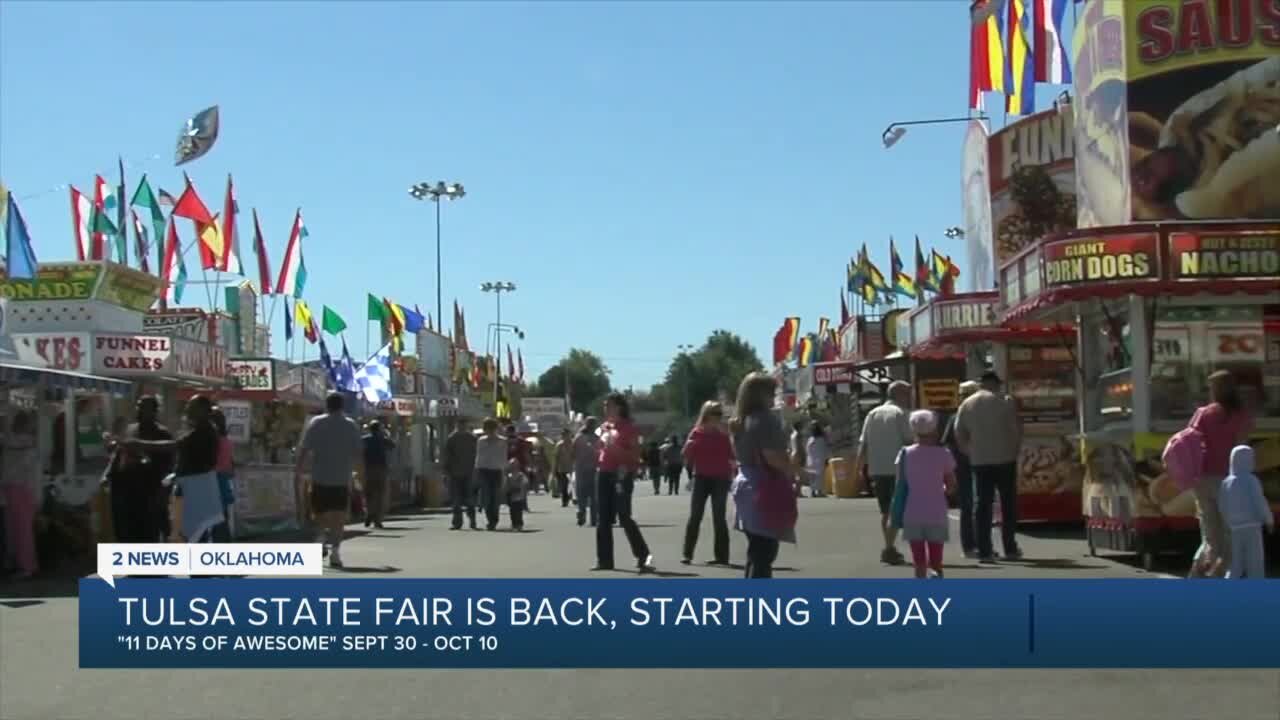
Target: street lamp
x,y
685,349
497,288
953,233
427,191
494,328
895,131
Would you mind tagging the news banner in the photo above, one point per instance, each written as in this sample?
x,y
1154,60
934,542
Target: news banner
x,y
200,606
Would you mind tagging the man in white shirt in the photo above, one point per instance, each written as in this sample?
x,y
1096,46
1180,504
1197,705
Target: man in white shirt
x,y
885,431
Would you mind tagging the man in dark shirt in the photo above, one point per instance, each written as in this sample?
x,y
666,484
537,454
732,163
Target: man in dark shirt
x,y
197,455
139,507
376,447
459,463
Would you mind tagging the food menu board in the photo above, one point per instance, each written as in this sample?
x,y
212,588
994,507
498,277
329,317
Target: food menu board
x,y
1042,380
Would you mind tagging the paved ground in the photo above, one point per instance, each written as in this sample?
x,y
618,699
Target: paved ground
x,y
39,678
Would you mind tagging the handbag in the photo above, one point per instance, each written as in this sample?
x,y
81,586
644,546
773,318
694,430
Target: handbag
x,y
775,500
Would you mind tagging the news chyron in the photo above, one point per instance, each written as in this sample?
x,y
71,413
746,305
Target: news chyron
x,y
266,605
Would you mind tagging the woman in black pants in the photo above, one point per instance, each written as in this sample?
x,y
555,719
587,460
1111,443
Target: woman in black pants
x,y
619,461
710,454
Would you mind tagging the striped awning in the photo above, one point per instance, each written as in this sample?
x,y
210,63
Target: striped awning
x,y
29,376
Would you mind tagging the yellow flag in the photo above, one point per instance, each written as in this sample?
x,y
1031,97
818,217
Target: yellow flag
x,y
211,239
301,315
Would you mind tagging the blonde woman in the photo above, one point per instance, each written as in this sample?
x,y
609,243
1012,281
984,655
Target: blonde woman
x,y
762,491
710,453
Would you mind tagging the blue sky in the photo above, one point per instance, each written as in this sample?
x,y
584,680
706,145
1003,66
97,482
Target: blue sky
x,y
645,172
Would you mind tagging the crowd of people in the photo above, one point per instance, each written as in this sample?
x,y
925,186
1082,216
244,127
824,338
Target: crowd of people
x,y
181,488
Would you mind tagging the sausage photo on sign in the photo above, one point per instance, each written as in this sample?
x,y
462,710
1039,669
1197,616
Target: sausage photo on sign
x,y
1218,153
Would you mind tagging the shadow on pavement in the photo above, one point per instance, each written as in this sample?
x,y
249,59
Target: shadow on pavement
x,y
361,569
655,525
1053,531
1051,564
526,531
19,604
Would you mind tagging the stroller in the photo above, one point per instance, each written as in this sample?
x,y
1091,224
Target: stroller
x,y
64,532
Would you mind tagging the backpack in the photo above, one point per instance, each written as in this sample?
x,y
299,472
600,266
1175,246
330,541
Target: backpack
x,y
1183,457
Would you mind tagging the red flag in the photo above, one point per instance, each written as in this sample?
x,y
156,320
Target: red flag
x,y
784,341
511,364
260,247
190,206
100,192
520,365
229,239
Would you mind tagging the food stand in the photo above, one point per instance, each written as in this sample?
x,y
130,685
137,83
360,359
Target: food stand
x,y
1036,363
1158,307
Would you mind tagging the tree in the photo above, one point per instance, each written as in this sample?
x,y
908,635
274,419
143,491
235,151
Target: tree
x,y
587,377
712,371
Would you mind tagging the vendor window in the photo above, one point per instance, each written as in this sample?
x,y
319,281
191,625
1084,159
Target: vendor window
x,y
1108,356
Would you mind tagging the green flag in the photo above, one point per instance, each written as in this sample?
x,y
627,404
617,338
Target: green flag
x,y
100,223
331,322
143,197
377,311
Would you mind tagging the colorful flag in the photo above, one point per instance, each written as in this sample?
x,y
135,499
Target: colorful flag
x,y
986,51
520,367
459,326
823,325
902,282
190,206
212,244
831,347
173,271
166,198
122,237
511,364
197,136
377,311
805,351
260,248
924,274
143,197
394,325
875,285
293,272
945,273
346,371
101,225
81,218
844,310
302,318
784,340
20,258
1019,75
140,237
855,276
413,320
1053,65
288,321
229,262
332,322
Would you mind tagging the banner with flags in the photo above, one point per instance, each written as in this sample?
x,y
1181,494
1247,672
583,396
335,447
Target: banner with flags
x,y
1052,64
1019,75
986,51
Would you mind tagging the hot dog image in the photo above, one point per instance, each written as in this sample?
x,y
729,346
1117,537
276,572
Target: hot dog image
x,y
1218,153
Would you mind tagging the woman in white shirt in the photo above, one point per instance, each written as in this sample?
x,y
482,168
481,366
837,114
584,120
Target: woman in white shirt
x,y
817,452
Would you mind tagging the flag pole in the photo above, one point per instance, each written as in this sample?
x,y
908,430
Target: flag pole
x,y
367,322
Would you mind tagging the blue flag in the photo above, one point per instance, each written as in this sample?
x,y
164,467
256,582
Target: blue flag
x,y
346,371
19,257
288,321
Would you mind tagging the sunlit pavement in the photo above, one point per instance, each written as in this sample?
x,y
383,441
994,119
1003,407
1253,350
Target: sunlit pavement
x,y
838,538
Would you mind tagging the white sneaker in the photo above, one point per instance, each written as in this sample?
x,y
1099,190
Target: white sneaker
x,y
335,560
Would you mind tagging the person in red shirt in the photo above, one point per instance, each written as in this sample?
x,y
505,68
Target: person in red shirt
x,y
710,453
619,461
1225,423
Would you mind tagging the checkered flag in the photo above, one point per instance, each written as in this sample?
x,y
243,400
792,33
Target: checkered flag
x,y
373,379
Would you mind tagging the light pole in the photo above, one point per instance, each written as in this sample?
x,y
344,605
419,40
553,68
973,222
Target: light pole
x,y
685,349
895,131
494,328
427,191
497,288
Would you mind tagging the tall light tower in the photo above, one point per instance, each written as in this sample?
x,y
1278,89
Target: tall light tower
x,y
427,191
497,288
685,349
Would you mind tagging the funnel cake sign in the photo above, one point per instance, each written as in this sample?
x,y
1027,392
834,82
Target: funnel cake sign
x,y
116,355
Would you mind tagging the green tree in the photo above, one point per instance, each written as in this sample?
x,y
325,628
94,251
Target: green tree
x,y
713,370
587,377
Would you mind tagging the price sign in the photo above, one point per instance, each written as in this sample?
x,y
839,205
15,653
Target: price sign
x,y
1237,344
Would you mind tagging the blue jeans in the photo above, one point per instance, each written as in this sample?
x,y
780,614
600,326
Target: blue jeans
x,y
585,482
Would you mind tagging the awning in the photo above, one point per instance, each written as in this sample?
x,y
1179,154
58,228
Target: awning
x,y
13,374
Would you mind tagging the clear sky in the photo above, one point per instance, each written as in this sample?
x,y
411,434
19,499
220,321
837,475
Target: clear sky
x,y
644,172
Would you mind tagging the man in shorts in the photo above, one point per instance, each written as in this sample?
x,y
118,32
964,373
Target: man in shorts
x,y
332,445
885,431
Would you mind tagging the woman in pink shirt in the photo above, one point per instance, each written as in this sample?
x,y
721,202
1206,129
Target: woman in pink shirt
x,y
710,452
225,468
1225,423
619,461
926,475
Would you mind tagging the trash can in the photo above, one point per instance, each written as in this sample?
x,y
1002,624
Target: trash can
x,y
845,479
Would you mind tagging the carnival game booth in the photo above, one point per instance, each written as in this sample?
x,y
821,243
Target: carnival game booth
x,y
1158,307
1036,362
